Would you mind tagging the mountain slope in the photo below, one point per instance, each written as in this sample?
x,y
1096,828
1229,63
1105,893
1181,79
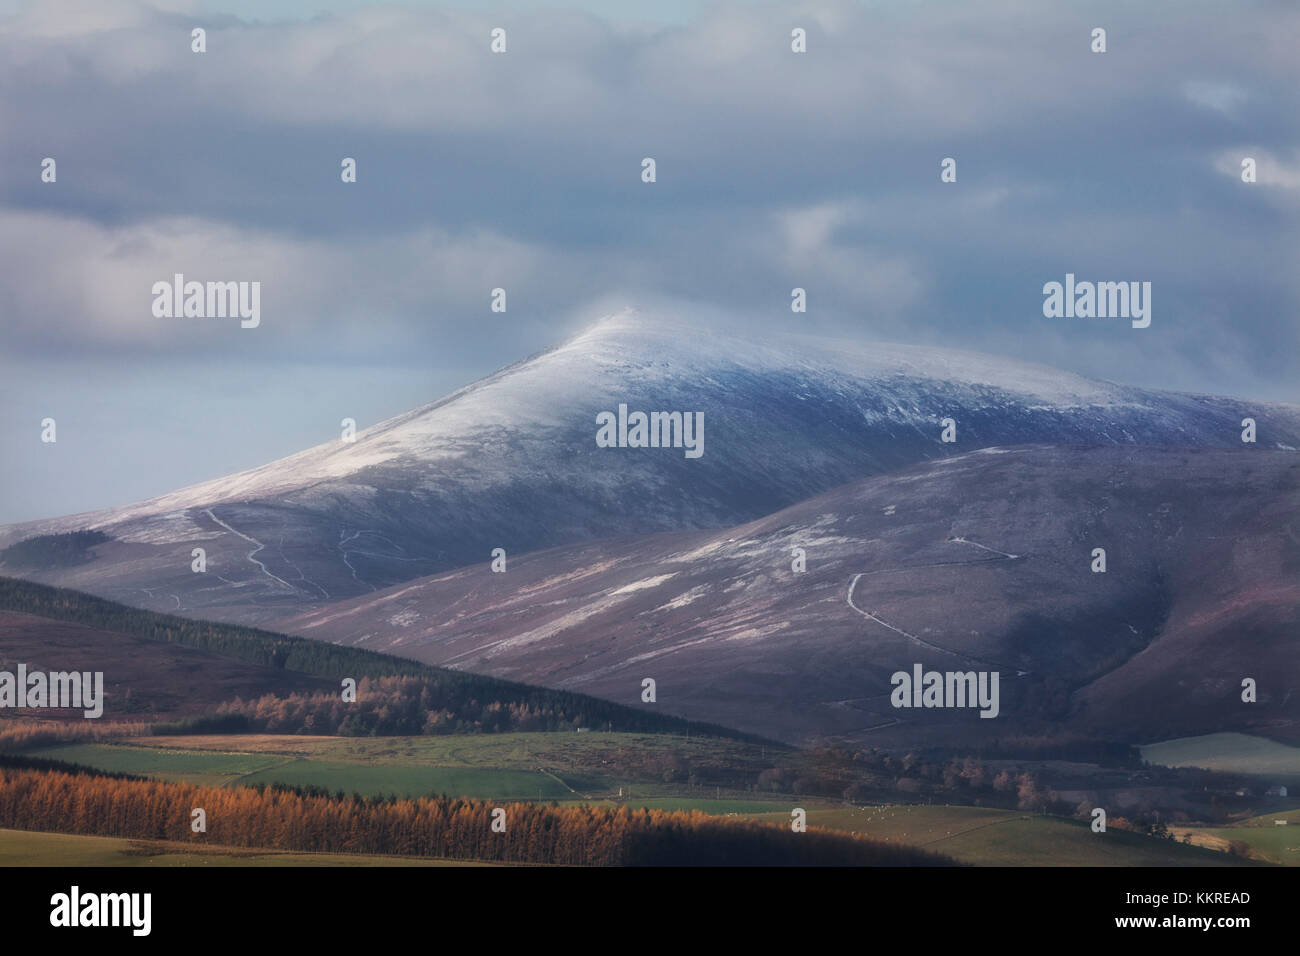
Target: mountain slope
x,y
144,680
512,462
979,562
150,656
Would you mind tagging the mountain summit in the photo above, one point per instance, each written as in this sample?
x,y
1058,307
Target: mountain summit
x,y
512,461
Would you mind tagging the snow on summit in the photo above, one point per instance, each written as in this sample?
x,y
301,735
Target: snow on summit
x,y
523,459
619,351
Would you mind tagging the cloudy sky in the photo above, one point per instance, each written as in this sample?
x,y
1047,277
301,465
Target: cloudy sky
x,y
522,170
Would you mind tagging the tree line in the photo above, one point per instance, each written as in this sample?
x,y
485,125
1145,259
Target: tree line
x,y
443,827
385,707
17,733
53,550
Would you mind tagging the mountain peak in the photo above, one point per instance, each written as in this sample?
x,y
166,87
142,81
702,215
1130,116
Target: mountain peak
x,y
512,460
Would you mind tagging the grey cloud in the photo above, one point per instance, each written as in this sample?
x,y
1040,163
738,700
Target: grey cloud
x,y
522,171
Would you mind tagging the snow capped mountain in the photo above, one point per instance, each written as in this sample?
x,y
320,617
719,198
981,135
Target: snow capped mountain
x,y
512,461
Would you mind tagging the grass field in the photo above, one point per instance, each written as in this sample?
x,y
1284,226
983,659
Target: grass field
x,y
26,848
501,766
990,837
1229,753
218,768
1279,845
594,751
740,806
1267,840
481,782
592,768
210,768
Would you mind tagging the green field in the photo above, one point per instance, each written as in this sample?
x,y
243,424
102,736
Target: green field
x,y
600,752
989,837
483,783
535,766
213,768
593,768
25,848
1267,840
1279,845
209,768
739,806
1229,753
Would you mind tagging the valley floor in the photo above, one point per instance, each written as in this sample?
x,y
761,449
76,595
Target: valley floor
x,y
600,769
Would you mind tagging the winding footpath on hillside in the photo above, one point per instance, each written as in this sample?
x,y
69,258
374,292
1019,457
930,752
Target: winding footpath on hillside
x,y
928,645
260,546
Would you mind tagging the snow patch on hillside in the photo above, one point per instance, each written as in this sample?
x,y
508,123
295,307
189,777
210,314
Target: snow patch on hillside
x,y
647,583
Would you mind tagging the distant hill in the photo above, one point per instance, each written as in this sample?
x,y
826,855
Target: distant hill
x,y
161,665
979,562
144,679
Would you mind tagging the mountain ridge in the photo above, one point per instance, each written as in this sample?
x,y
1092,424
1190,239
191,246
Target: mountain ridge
x,y
511,461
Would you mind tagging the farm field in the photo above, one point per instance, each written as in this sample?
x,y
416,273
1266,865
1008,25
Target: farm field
x,y
593,768
992,837
565,767
1229,753
413,781
219,768
518,750
1267,840
27,848
210,768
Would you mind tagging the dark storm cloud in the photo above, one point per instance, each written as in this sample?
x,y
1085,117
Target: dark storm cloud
x,y
521,171
775,170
